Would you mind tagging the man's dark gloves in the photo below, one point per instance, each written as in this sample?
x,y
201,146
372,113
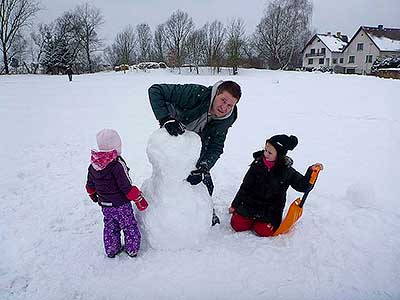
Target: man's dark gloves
x,y
201,175
173,126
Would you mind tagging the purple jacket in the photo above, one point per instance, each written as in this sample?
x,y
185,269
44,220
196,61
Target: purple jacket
x,y
112,184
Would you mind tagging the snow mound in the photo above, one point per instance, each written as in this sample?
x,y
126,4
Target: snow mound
x,y
179,215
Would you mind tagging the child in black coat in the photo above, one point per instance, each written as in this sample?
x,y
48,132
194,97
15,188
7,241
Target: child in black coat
x,y
259,203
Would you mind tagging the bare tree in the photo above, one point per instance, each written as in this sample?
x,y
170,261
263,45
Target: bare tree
x,y
177,29
125,45
236,43
215,43
18,52
197,48
14,16
88,19
159,44
143,33
281,31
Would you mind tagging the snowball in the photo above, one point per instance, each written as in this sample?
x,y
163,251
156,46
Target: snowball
x,y
179,214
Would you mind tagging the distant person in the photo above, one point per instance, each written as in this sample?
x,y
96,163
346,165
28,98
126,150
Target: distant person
x,y
208,111
109,185
69,73
259,203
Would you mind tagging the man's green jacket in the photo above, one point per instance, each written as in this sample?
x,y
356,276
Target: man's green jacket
x,y
190,104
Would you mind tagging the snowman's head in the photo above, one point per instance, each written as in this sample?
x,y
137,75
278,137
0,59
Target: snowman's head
x,y
173,156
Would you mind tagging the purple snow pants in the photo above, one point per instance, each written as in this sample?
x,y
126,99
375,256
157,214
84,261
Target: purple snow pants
x,y
115,220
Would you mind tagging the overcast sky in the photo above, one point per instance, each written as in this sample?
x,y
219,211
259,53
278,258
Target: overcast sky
x,y
329,15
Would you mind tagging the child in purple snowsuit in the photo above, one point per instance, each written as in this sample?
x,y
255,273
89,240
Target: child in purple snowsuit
x,y
109,185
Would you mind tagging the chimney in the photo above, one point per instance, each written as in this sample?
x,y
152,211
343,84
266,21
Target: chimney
x,y
338,34
380,26
328,33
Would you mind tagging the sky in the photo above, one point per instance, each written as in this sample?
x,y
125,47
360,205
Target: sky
x,y
341,15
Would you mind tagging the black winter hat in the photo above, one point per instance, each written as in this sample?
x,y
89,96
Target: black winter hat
x,y
282,143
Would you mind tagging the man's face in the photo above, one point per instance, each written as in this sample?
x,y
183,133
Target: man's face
x,y
223,104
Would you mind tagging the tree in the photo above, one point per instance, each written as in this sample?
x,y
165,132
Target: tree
x,y
88,20
143,34
14,16
215,35
159,44
281,31
38,43
18,51
236,43
177,29
124,46
57,55
197,48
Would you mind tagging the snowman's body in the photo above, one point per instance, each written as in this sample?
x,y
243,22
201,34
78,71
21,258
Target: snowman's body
x,y
179,214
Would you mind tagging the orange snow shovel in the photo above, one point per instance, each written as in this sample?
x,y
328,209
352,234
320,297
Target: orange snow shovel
x,y
296,208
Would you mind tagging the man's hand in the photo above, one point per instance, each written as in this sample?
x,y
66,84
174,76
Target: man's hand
x,y
173,126
201,175
196,176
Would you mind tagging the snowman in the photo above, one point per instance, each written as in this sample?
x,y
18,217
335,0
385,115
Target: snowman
x,y
179,214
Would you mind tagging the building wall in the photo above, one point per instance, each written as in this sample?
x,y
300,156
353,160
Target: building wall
x,y
317,45
360,65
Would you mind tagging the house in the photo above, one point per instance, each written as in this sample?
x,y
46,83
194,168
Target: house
x,y
367,44
324,51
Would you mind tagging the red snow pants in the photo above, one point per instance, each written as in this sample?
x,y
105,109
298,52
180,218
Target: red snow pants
x,y
240,223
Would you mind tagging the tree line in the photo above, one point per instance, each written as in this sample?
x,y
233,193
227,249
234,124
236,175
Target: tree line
x,y
72,40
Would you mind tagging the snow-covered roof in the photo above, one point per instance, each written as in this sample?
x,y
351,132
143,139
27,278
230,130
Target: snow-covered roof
x,y
334,43
386,39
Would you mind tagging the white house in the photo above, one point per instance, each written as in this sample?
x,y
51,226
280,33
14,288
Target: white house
x,y
367,44
324,50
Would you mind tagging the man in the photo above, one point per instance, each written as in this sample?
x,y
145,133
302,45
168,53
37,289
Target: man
x,y
69,73
208,111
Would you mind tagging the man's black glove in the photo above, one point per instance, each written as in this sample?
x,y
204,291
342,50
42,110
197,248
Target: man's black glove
x,y
173,126
201,175
196,176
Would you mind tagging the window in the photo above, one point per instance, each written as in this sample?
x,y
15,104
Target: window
x,y
312,51
341,60
360,47
321,61
368,59
322,50
310,61
334,61
351,59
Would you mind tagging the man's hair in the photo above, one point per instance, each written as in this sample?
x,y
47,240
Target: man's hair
x,y
231,87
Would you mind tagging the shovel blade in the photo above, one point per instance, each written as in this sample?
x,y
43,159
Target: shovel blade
x,y
294,213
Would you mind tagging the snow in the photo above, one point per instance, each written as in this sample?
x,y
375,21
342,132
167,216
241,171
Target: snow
x,y
174,201
333,43
385,44
345,246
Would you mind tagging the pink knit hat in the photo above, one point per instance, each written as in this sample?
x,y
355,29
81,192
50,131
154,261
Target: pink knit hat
x,y
109,139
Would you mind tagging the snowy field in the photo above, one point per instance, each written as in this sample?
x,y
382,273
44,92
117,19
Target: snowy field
x,y
346,245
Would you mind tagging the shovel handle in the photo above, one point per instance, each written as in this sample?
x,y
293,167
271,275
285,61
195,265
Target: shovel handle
x,y
314,174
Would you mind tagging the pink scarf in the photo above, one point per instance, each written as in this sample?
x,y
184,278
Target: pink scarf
x,y
101,159
268,164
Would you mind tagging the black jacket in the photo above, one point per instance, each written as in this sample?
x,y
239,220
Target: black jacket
x,y
262,195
